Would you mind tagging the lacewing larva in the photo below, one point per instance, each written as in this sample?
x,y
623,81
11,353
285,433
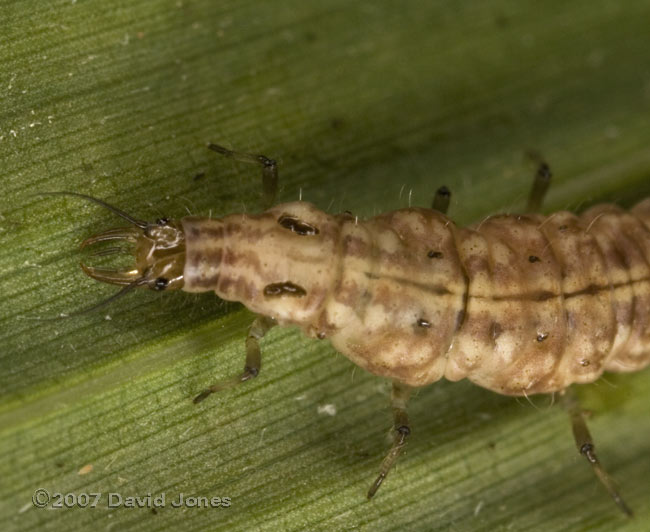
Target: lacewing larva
x,y
517,304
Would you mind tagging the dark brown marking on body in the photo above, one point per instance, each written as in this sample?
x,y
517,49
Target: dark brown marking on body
x,y
423,323
542,336
460,317
495,330
208,282
212,232
434,254
545,295
284,289
431,288
533,258
296,225
462,313
590,290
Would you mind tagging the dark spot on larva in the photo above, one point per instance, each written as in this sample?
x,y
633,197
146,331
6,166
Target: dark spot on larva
x,y
542,336
160,283
584,362
563,228
404,430
296,225
253,372
423,323
370,275
588,450
495,330
281,289
321,335
533,258
434,254
544,171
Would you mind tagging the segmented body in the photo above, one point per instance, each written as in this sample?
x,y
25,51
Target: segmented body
x,y
516,304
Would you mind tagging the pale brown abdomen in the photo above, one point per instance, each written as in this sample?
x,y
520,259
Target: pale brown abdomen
x,y
517,304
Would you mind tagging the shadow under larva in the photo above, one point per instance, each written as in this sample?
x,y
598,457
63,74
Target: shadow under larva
x,y
518,304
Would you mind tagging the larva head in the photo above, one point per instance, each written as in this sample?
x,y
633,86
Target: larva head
x,y
159,252
280,263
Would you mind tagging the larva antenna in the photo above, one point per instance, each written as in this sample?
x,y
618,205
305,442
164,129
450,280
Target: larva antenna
x,y
140,223
104,303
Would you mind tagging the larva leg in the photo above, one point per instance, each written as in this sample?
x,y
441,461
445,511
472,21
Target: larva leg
x,y
586,447
441,200
399,397
540,187
257,330
269,170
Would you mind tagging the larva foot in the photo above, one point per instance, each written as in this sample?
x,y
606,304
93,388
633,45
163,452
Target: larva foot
x,y
586,448
402,430
256,332
269,170
441,200
540,184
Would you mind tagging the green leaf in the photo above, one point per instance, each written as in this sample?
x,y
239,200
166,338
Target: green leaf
x,y
367,106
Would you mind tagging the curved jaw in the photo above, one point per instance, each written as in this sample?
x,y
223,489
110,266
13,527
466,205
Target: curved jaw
x,y
118,277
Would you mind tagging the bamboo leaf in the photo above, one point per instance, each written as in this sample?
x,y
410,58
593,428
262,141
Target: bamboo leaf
x,y
368,106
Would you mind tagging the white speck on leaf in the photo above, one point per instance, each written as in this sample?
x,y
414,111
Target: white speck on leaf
x,y
85,469
478,507
328,409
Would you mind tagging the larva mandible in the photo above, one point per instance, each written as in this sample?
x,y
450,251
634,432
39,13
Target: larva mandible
x,y
518,304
